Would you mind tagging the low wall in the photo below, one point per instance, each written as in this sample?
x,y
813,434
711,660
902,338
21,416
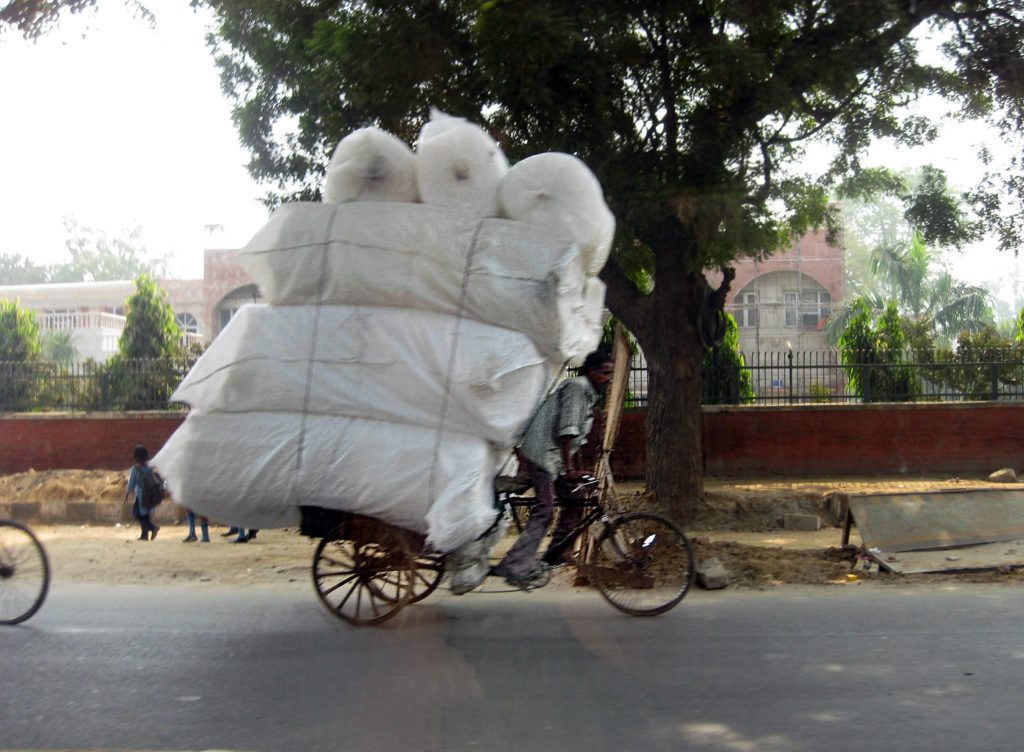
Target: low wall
x,y
800,441
965,438
100,441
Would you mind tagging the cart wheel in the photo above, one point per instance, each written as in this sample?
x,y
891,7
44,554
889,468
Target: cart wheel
x,y
642,563
24,573
426,576
364,581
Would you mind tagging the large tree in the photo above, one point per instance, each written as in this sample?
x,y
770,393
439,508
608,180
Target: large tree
x,y
692,113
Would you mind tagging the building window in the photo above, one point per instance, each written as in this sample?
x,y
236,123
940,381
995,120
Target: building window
x,y
747,313
187,323
807,309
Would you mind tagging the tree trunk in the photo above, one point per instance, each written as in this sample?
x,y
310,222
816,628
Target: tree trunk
x,y
675,457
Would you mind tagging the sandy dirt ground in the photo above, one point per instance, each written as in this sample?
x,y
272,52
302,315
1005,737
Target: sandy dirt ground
x,y
738,522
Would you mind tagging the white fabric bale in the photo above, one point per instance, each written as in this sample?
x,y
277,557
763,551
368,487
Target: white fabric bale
x,y
392,364
459,166
520,276
256,469
558,191
371,164
438,123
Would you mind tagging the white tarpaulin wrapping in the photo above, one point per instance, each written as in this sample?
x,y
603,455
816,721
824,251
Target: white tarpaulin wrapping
x,y
394,364
255,470
496,271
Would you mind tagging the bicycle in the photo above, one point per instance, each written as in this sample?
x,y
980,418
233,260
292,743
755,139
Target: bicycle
x,y
365,571
641,562
24,573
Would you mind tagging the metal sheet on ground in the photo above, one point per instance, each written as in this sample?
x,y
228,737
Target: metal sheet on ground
x,y
982,556
943,530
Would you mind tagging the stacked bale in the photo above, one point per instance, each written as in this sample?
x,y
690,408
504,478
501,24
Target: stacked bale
x,y
408,336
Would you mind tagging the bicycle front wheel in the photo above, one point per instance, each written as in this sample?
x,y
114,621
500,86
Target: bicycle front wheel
x,y
642,564
24,573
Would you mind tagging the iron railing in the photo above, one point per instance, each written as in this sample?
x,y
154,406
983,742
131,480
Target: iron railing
x,y
773,378
142,384
820,377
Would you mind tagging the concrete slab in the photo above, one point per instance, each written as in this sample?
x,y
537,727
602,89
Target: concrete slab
x,y
942,531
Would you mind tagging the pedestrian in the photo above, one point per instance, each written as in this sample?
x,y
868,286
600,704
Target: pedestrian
x,y
140,512
204,526
549,450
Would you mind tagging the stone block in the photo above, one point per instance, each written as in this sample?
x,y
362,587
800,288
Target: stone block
x,y
802,522
712,574
1006,475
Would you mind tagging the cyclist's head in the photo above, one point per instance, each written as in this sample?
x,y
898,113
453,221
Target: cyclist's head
x,y
594,361
598,369
141,454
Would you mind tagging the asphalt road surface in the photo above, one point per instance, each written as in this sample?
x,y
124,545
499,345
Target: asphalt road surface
x,y
795,669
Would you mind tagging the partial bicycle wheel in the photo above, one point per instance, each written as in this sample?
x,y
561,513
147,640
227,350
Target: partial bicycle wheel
x,y
24,573
642,564
426,575
365,581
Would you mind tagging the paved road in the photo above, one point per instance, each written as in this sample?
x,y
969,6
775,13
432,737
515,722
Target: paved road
x,y
801,669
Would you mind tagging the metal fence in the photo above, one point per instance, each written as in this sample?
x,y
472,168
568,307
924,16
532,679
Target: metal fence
x,y
771,378
145,384
820,377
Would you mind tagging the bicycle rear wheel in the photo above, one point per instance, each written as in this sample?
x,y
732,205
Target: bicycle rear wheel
x,y
365,580
24,573
642,564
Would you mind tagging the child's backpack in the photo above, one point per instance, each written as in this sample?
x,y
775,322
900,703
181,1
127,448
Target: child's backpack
x,y
152,489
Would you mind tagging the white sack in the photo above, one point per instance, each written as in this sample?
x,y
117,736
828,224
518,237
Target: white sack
x,y
392,364
558,191
371,164
256,469
439,123
517,275
459,166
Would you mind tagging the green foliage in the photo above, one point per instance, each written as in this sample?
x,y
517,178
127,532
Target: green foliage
x,y
150,330
19,346
34,18
980,366
19,333
150,334
726,378
874,357
820,393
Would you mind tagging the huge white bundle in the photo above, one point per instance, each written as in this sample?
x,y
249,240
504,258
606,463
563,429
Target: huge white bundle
x,y
405,343
557,191
255,469
390,364
371,164
495,271
459,166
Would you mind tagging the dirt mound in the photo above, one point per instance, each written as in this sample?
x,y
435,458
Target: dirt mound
x,y
64,485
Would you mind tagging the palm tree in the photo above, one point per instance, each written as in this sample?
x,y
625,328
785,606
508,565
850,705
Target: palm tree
x,y
929,299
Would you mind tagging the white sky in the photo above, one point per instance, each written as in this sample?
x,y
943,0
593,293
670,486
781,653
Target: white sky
x,y
121,125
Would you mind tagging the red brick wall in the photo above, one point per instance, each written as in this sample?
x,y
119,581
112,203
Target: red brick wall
x,y
83,442
960,439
